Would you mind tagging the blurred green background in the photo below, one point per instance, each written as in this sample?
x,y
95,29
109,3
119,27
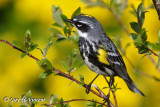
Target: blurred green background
x,y
17,75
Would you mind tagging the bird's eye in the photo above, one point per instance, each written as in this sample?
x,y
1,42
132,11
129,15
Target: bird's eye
x,y
79,24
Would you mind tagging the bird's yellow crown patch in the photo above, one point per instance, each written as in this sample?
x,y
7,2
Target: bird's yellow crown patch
x,y
86,15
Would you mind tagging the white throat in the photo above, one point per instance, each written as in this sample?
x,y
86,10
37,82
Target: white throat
x,y
82,34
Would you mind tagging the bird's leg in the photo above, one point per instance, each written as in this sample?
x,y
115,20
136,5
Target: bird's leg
x,y
110,85
89,85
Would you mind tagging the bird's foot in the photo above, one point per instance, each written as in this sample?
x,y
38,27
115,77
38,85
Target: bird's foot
x,y
106,99
88,88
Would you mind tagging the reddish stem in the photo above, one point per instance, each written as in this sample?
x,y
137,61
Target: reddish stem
x,y
74,100
153,52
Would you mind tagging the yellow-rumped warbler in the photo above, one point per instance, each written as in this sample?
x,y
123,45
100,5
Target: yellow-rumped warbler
x,y
99,52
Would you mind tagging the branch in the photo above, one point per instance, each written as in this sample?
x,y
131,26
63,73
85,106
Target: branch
x,y
58,71
75,100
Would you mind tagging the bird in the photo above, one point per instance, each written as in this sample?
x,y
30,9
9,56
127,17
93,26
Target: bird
x,y
99,52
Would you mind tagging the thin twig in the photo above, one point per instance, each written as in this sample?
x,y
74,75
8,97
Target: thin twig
x,y
154,62
153,52
58,71
74,100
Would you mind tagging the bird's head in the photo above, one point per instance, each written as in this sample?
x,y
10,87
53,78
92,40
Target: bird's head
x,y
85,24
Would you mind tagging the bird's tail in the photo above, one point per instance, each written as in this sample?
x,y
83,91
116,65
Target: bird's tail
x,y
132,86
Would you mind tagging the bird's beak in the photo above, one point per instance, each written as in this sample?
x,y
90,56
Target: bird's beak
x,y
68,20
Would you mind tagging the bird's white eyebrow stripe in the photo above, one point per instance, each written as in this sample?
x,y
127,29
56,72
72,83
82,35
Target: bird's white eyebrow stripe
x,y
86,23
83,22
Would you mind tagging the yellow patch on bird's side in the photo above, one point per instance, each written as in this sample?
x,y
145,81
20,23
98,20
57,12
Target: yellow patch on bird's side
x,y
102,56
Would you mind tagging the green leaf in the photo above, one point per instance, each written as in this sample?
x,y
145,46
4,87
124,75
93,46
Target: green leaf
x,y
99,106
140,14
28,42
91,104
48,64
64,64
54,30
29,94
23,55
45,64
27,45
65,30
18,44
133,36
81,77
55,99
142,49
143,35
57,15
134,12
33,47
74,38
105,87
45,74
138,41
135,27
63,18
45,50
27,36
61,39
136,38
76,12
57,25
155,47
51,99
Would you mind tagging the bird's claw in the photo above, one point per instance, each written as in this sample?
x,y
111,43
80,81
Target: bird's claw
x,y
106,99
88,88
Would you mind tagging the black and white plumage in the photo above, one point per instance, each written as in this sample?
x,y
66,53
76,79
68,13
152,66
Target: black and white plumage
x,y
99,52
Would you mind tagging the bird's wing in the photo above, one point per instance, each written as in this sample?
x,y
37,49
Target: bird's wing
x,y
114,58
